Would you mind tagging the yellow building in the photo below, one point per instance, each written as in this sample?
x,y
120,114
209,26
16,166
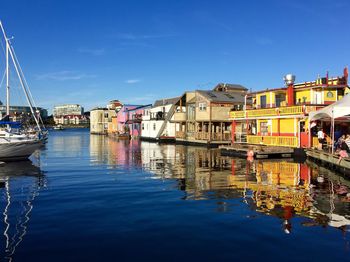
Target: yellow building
x,y
280,116
101,120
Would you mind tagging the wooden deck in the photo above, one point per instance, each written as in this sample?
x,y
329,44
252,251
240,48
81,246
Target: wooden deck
x,y
260,151
329,160
201,142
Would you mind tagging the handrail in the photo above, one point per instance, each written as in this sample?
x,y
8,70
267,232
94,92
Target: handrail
x,y
287,141
275,111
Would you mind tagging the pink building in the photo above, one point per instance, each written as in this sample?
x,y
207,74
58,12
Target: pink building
x,y
129,119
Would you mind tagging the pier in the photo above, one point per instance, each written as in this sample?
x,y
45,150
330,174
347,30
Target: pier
x,y
328,159
260,151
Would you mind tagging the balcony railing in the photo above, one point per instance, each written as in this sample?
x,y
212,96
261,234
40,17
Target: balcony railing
x,y
277,111
180,134
204,136
288,141
180,116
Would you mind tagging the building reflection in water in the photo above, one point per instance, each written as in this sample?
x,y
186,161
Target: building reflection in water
x,y
69,144
20,183
114,152
282,189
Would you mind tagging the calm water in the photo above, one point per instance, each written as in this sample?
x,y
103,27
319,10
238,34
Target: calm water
x,y
91,198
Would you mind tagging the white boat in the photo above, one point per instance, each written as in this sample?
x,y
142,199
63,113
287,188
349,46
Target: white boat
x,y
18,143
58,127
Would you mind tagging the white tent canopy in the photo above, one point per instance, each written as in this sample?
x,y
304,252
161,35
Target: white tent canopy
x,y
338,109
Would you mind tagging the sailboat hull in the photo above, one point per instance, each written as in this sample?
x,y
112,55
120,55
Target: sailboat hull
x,y
14,151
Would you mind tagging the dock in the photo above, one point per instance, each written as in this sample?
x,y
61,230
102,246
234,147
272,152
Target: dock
x,y
329,160
260,151
207,143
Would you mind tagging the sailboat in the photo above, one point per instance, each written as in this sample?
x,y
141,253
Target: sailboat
x,y
17,142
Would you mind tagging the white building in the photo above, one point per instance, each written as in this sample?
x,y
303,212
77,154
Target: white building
x,y
68,109
69,114
156,122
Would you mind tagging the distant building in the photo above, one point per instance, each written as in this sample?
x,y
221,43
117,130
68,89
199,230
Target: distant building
x,y
17,112
69,114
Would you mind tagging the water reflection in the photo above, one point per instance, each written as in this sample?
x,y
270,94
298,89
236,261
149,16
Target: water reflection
x,y
20,183
114,152
283,189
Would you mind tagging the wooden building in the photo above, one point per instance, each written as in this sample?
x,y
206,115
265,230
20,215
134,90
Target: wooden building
x,y
202,116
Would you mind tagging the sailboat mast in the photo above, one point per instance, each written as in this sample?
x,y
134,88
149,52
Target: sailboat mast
x,y
24,89
7,71
10,52
7,80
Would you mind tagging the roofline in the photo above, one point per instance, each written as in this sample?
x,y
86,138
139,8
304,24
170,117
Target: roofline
x,y
139,107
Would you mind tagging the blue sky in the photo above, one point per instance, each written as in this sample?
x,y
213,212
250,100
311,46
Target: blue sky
x,y
90,52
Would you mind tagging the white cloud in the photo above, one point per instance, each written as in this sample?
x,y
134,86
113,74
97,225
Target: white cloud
x,y
64,76
132,81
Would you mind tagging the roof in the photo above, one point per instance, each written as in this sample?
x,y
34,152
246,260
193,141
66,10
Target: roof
x,y
99,108
229,87
338,109
139,107
166,101
223,97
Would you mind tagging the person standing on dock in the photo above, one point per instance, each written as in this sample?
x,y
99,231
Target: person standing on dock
x,y
321,138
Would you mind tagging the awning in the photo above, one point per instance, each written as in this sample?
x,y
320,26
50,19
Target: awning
x,y
338,109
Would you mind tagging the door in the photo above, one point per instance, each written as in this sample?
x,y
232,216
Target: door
x,y
304,137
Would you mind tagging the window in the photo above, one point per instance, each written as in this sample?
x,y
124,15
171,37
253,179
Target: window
x,y
143,126
263,101
264,130
279,99
154,126
202,106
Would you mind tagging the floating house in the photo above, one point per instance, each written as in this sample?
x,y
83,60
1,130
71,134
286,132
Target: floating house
x,y
101,120
134,119
156,121
121,120
202,116
279,117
